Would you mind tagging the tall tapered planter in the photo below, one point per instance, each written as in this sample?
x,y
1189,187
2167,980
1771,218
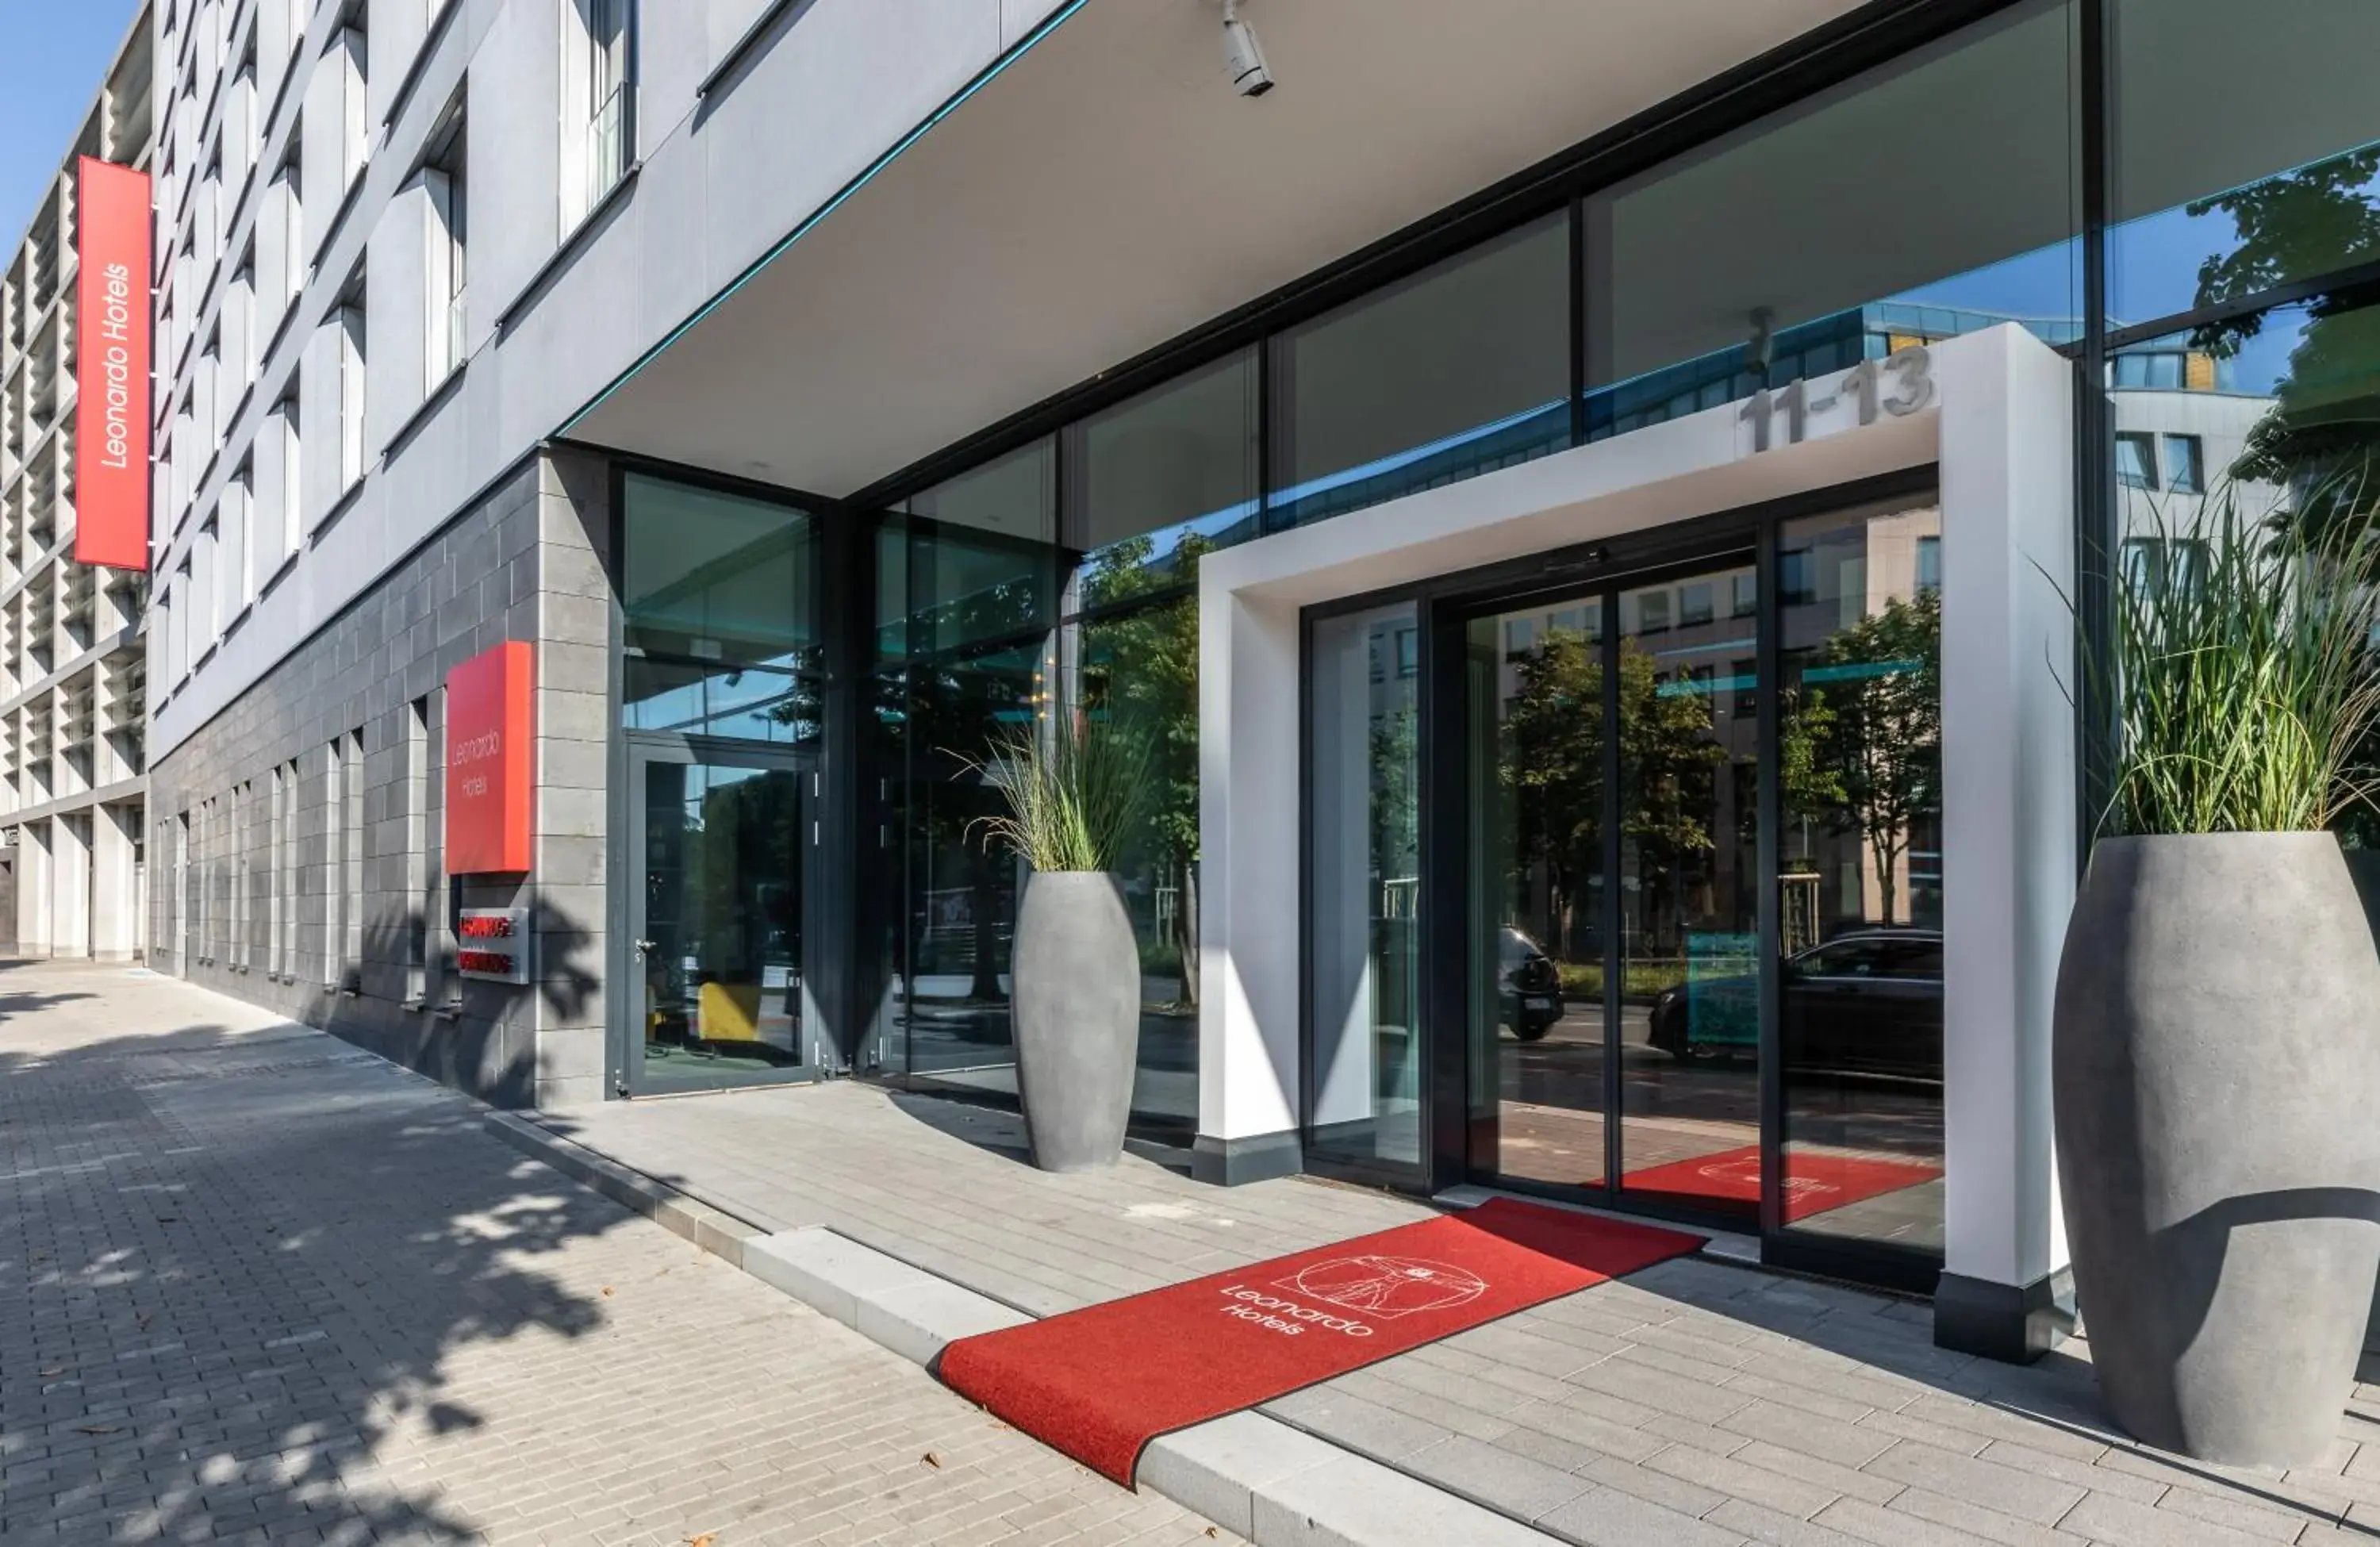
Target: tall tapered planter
x,y
1076,1009
2216,1046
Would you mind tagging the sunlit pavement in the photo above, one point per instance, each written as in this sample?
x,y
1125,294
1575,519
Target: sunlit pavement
x,y
261,1287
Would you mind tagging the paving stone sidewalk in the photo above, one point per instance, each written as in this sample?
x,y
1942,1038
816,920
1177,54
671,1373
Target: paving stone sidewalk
x,y
1694,1404
261,1286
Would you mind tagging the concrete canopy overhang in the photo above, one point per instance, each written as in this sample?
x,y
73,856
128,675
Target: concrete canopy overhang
x,y
1104,190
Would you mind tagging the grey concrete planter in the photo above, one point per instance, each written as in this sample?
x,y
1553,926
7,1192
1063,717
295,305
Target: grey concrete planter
x,y
2218,1041
1076,1012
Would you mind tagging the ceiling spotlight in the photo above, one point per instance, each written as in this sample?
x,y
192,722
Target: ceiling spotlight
x,y
1244,59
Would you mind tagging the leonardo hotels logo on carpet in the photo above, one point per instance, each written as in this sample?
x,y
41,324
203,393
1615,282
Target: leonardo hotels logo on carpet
x,y
1387,1286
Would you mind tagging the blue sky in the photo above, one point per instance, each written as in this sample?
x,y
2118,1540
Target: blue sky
x,y
48,72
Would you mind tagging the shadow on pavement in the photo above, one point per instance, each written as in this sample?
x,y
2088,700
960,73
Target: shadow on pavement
x,y
237,1266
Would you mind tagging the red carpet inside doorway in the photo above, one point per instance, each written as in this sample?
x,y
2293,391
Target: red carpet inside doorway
x,y
1100,1382
1814,1182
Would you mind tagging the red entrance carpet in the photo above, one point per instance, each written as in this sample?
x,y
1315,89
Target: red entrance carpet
x,y
1813,1183
1100,1382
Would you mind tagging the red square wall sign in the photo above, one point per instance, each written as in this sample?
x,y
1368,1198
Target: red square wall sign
x,y
490,771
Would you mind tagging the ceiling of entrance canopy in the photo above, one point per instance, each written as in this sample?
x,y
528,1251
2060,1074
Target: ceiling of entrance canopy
x,y
1109,190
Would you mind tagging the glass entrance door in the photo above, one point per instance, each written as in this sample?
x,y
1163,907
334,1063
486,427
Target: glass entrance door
x,y
1615,749
1668,1009
715,928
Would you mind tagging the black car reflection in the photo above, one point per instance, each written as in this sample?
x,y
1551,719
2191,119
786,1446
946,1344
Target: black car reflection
x,y
1864,1003
1528,986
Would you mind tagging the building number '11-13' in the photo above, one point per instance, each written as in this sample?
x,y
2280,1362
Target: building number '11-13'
x,y
1900,383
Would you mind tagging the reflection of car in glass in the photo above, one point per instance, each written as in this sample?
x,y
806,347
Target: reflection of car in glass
x,y
1528,988
1869,1002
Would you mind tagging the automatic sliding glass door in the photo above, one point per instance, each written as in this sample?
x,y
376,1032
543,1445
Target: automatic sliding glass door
x,y
1614,761
1686,1016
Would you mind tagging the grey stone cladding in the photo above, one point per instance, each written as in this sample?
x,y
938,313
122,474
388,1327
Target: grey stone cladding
x,y
334,910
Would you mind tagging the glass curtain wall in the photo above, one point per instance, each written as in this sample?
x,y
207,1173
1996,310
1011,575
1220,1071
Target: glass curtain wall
x,y
967,582
1937,195
1459,371
1162,480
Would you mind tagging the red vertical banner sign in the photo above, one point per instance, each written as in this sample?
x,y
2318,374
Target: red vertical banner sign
x,y
489,771
112,302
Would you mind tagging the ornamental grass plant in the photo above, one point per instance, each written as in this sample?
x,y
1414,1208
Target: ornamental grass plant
x,y
1073,793
2243,674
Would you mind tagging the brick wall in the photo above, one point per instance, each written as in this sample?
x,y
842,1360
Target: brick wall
x,y
526,563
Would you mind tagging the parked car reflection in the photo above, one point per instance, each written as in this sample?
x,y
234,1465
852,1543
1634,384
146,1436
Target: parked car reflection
x,y
1528,986
1864,1003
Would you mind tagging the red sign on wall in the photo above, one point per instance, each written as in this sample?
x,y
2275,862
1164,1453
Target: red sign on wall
x,y
111,294
490,771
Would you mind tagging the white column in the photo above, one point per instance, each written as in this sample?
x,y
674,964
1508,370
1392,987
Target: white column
x,y
2008,829
1248,781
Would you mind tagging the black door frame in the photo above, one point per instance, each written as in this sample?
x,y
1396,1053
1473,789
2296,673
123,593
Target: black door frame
x,y
640,750
1459,1124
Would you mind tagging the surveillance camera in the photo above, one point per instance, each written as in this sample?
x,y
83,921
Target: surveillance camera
x,y
1243,56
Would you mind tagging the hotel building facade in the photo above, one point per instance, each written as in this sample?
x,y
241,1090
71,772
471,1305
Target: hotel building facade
x,y
1589,506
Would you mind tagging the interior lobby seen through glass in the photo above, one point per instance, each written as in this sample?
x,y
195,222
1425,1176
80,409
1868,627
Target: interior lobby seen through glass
x,y
2244,149
1460,369
1934,196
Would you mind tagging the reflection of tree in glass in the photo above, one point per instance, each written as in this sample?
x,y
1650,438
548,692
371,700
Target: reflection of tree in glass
x,y
2307,223
1873,721
1142,669
2320,442
1553,765
2319,439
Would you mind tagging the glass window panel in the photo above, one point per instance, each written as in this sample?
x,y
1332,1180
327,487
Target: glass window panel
x,y
1756,260
716,577
2243,148
2282,411
1139,674
951,979
1364,861
745,704
984,563
1168,476
2135,460
1860,877
1459,371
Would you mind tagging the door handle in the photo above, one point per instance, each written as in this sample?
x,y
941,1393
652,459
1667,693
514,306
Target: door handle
x,y
645,948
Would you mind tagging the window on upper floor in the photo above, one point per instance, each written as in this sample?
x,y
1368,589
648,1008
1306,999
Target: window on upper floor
x,y
286,514
445,271
348,318
599,128
2136,459
292,221
2185,464
349,53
